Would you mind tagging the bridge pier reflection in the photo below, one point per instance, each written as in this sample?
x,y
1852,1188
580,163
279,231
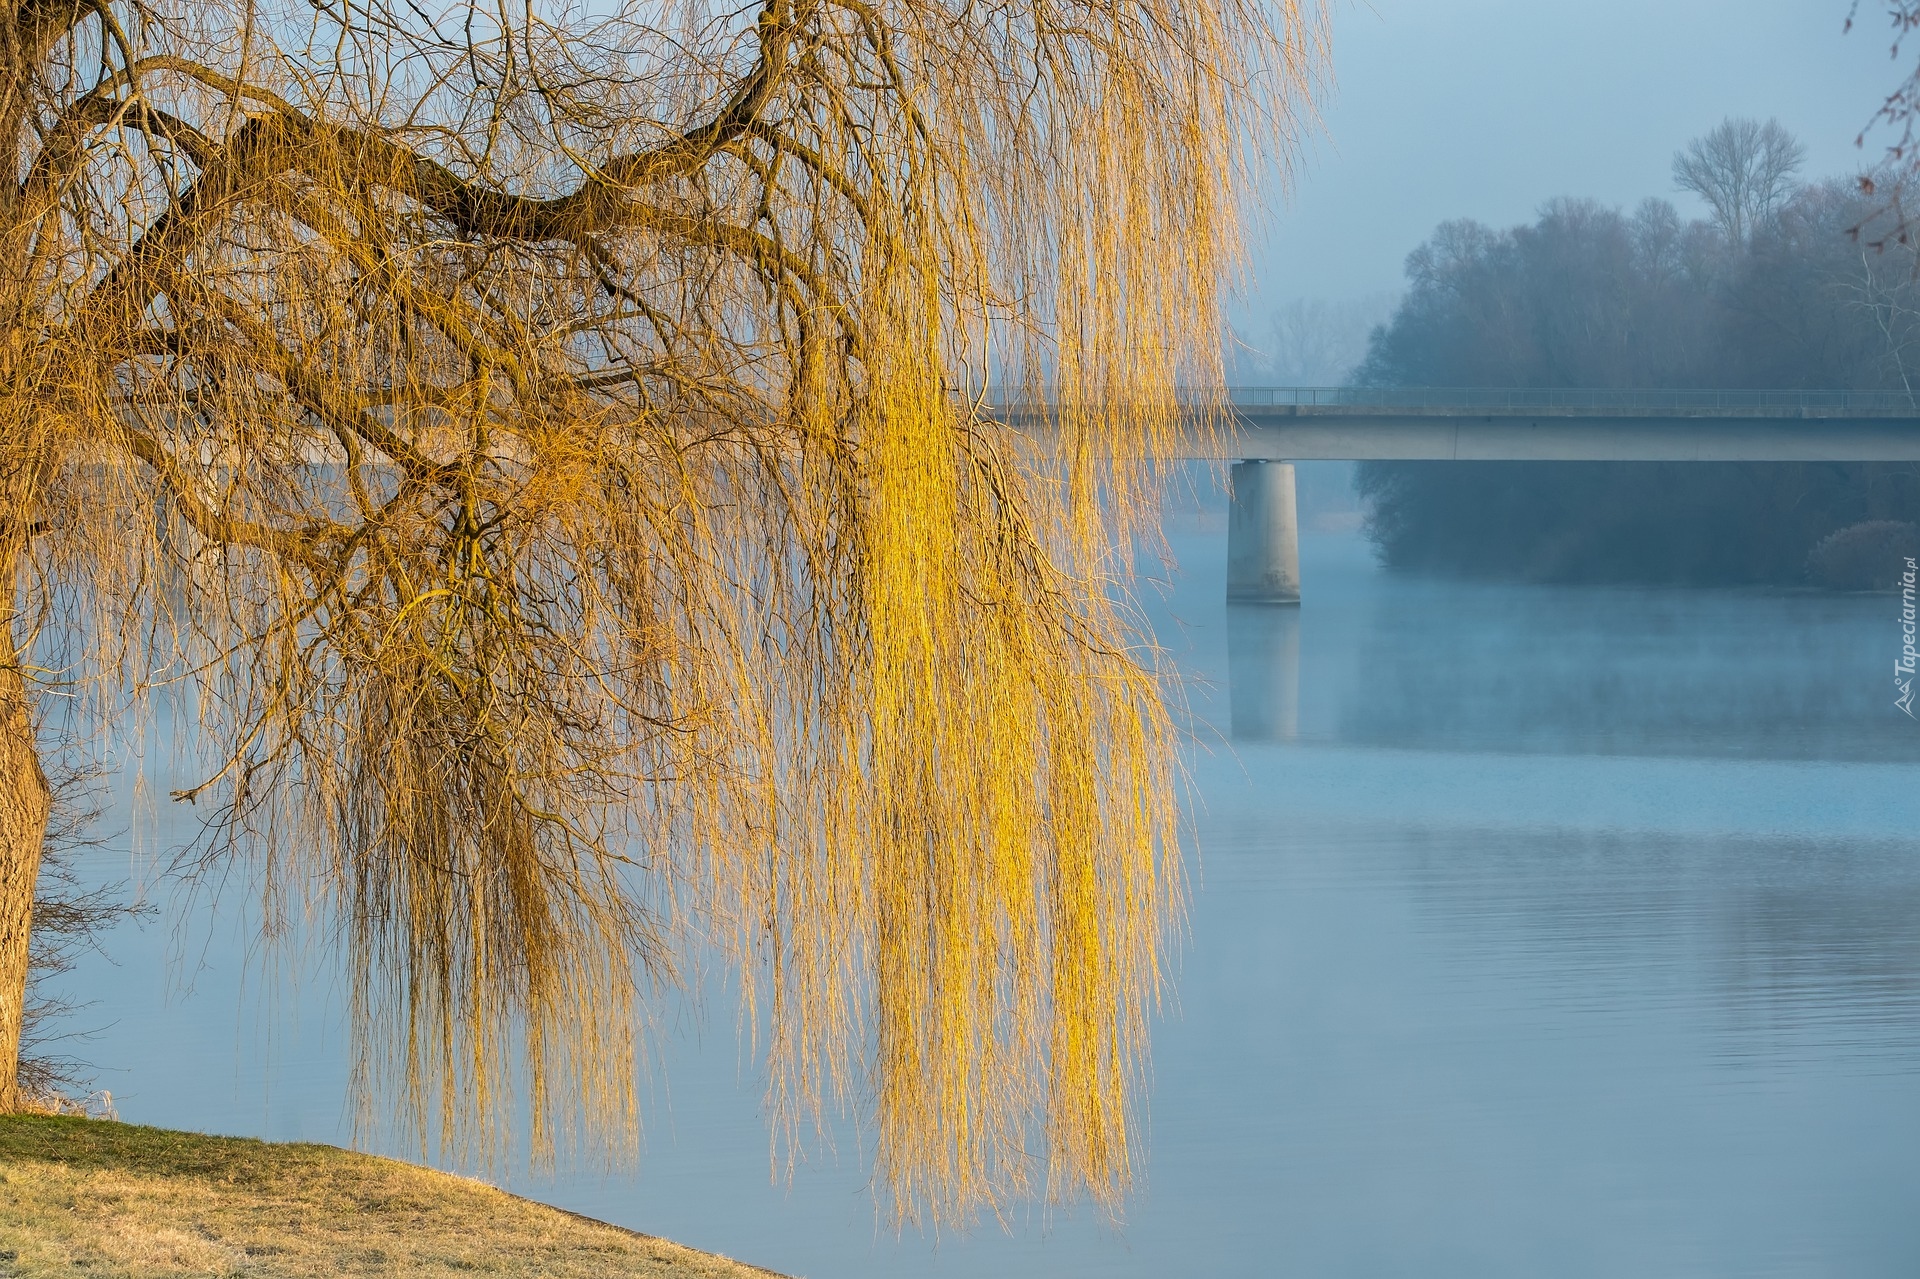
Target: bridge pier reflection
x,y
1263,673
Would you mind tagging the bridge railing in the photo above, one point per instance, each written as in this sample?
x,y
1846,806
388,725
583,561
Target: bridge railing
x,y
1637,401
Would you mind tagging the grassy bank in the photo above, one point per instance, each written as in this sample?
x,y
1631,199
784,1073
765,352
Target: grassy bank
x,y
110,1200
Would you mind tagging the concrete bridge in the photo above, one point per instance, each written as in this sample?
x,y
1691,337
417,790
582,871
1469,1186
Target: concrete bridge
x,y
1276,426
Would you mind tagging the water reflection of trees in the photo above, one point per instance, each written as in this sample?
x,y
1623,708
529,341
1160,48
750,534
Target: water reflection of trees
x,y
1621,670
1790,948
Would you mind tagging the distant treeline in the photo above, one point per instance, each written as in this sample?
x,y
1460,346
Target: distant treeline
x,y
1790,291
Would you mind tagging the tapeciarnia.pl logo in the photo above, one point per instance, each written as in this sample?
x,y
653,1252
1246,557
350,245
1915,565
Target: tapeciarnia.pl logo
x,y
1903,669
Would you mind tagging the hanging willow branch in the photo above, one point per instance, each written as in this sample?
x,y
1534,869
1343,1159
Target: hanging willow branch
x,y
549,444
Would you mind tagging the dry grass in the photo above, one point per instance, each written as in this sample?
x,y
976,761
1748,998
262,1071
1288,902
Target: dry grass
x,y
114,1200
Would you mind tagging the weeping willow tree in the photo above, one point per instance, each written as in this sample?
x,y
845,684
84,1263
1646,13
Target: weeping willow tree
x,y
560,458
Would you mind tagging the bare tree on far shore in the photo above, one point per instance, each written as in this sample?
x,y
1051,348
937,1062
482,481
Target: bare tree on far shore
x,y
1743,169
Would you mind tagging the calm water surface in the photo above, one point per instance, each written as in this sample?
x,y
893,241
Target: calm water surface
x,y
1535,931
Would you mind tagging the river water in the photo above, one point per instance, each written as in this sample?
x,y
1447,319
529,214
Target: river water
x,y
1535,931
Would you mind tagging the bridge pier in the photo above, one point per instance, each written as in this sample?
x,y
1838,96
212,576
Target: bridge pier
x,y
1263,535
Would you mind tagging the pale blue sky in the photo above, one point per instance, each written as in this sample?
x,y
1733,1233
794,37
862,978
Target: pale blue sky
x,y
1487,108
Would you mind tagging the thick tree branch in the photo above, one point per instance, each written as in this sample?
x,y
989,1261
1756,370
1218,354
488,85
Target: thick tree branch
x,y
300,546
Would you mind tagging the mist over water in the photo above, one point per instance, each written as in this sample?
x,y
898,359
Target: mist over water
x,y
1569,931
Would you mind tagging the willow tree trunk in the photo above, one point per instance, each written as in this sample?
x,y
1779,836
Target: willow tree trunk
x,y
24,803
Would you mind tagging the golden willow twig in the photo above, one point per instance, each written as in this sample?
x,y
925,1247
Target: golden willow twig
x,y
547,444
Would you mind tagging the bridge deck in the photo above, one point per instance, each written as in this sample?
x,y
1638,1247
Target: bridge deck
x,y
1448,400
1491,424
